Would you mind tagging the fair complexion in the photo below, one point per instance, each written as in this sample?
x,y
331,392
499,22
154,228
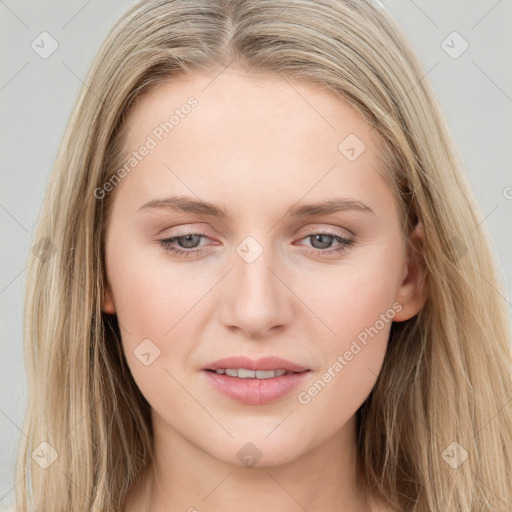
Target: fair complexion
x,y
255,147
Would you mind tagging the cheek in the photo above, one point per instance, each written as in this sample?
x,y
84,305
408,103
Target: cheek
x,y
149,309
151,294
157,303
352,360
351,295
356,304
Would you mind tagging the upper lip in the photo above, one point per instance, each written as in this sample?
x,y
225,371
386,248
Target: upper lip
x,y
261,364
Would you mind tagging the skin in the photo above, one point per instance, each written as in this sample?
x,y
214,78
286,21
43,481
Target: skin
x,y
255,147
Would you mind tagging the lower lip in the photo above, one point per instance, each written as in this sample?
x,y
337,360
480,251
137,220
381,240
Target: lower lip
x,y
255,391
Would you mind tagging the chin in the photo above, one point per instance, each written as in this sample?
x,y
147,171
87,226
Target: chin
x,y
256,451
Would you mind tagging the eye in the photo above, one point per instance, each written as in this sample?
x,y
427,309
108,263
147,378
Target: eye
x,y
186,244
187,240
323,240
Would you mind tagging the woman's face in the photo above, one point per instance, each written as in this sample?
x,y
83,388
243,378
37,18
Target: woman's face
x,y
272,276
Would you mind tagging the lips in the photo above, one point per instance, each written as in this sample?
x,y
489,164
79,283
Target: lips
x,y
263,364
253,391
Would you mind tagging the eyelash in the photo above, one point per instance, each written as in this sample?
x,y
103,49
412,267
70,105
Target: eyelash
x,y
345,243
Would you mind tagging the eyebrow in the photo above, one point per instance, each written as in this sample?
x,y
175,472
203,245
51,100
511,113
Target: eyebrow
x,y
187,204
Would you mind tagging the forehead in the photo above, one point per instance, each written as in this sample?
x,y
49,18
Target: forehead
x,y
240,132
248,104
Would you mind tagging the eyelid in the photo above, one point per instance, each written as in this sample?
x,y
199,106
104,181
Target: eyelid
x,y
343,241
331,230
315,230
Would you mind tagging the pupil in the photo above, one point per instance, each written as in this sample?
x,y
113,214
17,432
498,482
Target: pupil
x,y
189,243
325,244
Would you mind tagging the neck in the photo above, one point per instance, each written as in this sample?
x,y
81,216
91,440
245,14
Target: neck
x,y
184,477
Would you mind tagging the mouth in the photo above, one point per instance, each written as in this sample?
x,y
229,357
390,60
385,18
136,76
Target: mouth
x,y
244,365
251,387
244,373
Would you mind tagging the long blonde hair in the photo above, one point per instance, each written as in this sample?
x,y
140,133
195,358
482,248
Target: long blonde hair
x,y
435,434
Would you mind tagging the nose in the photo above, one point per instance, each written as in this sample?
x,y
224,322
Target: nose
x,y
256,299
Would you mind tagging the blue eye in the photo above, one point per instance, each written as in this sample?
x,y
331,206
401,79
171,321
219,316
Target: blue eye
x,y
167,244
190,240
344,243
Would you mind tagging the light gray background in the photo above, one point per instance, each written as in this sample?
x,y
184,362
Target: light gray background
x,y
37,95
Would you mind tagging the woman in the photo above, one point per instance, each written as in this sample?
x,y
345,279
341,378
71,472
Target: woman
x,y
262,278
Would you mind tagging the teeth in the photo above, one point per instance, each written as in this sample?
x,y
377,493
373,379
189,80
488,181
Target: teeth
x,y
243,373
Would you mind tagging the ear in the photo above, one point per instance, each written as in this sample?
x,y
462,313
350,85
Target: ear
x,y
413,290
107,304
